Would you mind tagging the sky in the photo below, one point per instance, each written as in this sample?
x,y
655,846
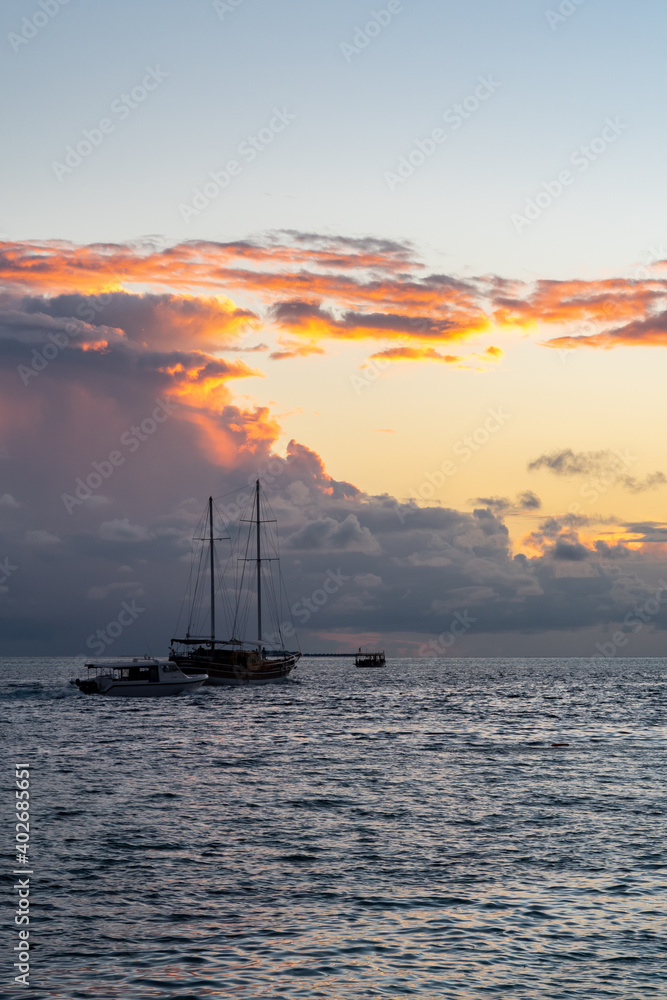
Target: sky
x,y
405,263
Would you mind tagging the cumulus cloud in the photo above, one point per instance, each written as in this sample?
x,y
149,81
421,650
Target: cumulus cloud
x,y
407,569
41,538
401,579
329,534
160,321
120,530
127,588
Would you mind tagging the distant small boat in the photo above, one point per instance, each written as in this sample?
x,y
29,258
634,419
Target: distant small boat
x,y
137,677
369,659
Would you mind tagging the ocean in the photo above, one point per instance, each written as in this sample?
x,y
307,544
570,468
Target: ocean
x,y
451,828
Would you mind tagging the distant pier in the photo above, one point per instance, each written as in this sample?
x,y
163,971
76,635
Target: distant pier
x,y
271,652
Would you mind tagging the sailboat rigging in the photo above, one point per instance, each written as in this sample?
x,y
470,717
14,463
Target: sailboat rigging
x,y
234,660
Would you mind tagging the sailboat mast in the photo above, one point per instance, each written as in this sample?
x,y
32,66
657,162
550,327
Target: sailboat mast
x,y
210,542
259,572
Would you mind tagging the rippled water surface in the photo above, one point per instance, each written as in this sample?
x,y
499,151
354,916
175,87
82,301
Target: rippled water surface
x,y
458,829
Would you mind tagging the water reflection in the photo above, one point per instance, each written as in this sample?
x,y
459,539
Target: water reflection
x,y
414,834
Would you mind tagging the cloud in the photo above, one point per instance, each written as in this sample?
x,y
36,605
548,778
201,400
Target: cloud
x,y
650,482
94,382
585,303
416,354
602,314
41,538
408,568
331,535
313,287
607,467
126,589
607,551
324,287
529,500
570,549
21,326
584,463
120,530
311,319
160,321
526,501
648,332
402,579
294,349
7,500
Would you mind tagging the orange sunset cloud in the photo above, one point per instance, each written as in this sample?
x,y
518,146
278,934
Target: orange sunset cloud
x,y
313,288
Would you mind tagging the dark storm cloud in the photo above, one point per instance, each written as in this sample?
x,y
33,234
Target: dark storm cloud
x,y
403,581
404,570
618,551
571,551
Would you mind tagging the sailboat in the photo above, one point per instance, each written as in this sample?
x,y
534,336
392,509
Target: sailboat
x,y
234,660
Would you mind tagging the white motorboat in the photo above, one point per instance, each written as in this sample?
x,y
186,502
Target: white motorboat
x,y
137,677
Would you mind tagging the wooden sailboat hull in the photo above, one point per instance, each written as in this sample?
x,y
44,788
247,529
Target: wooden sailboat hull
x,y
228,673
